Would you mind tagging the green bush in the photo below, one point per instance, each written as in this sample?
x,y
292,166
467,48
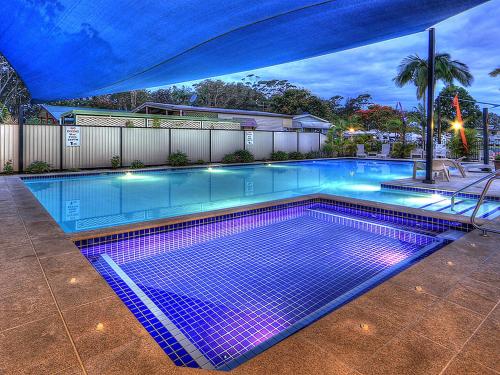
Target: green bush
x,y
240,156
244,156
137,164
329,150
8,168
279,156
156,123
38,167
129,124
456,146
178,159
401,151
200,161
313,155
295,155
115,162
229,159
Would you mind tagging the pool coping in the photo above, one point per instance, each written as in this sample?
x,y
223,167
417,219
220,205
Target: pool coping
x,y
91,297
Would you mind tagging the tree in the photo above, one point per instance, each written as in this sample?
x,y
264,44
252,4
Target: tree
x,y
495,72
13,92
471,112
299,101
378,117
350,106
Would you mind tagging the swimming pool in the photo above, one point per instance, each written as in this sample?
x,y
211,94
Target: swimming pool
x,y
217,293
80,203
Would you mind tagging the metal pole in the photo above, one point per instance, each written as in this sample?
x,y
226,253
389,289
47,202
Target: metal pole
x,y
20,121
439,120
61,147
486,143
430,107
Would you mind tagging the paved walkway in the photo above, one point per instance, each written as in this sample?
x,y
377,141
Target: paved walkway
x,y
58,316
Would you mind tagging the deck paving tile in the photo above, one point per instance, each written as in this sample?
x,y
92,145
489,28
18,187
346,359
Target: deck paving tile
x,y
484,345
409,353
40,347
464,366
73,280
448,324
475,295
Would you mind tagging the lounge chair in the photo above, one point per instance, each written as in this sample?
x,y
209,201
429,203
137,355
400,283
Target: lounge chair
x,y
386,149
439,167
360,152
418,152
456,163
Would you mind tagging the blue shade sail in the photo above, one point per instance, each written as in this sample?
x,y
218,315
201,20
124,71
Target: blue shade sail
x,y
76,48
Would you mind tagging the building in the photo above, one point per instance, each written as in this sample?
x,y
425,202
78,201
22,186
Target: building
x,y
249,120
308,123
51,114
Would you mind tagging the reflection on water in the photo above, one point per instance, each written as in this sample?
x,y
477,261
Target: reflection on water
x,y
83,203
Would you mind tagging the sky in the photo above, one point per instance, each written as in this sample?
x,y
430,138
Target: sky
x,y
472,37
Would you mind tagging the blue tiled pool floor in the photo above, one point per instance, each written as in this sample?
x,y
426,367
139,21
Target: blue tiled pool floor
x,y
215,301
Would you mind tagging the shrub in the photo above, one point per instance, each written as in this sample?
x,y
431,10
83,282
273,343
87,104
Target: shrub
x,y
456,146
313,155
8,168
244,156
200,161
329,150
74,170
178,159
115,161
38,167
156,123
240,156
401,151
129,124
295,155
229,158
279,156
137,164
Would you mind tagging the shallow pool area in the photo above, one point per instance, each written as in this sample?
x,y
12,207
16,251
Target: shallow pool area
x,y
215,294
87,202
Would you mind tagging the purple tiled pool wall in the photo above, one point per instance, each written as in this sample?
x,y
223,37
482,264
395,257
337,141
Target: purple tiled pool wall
x,y
191,273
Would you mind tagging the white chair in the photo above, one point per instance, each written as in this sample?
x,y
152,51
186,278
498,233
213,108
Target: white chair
x,y
439,167
439,151
386,149
418,152
360,152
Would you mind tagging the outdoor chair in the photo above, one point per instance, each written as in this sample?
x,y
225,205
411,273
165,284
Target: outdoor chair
x,y
418,152
360,152
439,151
386,149
439,167
456,163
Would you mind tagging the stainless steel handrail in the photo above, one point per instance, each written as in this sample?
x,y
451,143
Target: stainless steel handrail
x,y
468,186
484,229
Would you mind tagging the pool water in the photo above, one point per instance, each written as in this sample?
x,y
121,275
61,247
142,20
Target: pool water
x,y
217,294
82,203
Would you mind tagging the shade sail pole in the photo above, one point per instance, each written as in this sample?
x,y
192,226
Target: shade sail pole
x,y
430,108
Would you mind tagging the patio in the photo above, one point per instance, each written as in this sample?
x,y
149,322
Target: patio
x,y
59,316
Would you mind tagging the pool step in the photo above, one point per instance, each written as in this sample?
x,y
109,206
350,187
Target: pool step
x,y
489,210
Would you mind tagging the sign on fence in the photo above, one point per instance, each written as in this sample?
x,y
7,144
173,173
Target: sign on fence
x,y
249,138
72,136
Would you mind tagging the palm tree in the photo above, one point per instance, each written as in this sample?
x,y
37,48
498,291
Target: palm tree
x,y
495,73
413,70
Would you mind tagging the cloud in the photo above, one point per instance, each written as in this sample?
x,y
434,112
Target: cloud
x,y
471,37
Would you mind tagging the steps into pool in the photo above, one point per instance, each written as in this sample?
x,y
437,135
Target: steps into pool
x,y
489,209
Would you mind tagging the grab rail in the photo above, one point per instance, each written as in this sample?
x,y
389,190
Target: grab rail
x,y
468,186
495,176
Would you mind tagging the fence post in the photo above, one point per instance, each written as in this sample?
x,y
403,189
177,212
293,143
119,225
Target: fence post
x,y
298,141
61,146
244,141
210,145
169,142
319,142
20,121
121,146
272,150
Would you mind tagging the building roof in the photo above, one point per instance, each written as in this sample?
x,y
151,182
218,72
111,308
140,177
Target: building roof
x,y
176,107
310,122
116,113
57,111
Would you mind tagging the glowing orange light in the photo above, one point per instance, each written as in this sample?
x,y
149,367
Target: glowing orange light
x,y
457,125
351,130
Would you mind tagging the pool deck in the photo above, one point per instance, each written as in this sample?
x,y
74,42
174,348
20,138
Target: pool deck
x,y
58,316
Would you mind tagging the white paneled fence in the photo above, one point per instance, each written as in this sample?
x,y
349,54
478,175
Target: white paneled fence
x,y
81,147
